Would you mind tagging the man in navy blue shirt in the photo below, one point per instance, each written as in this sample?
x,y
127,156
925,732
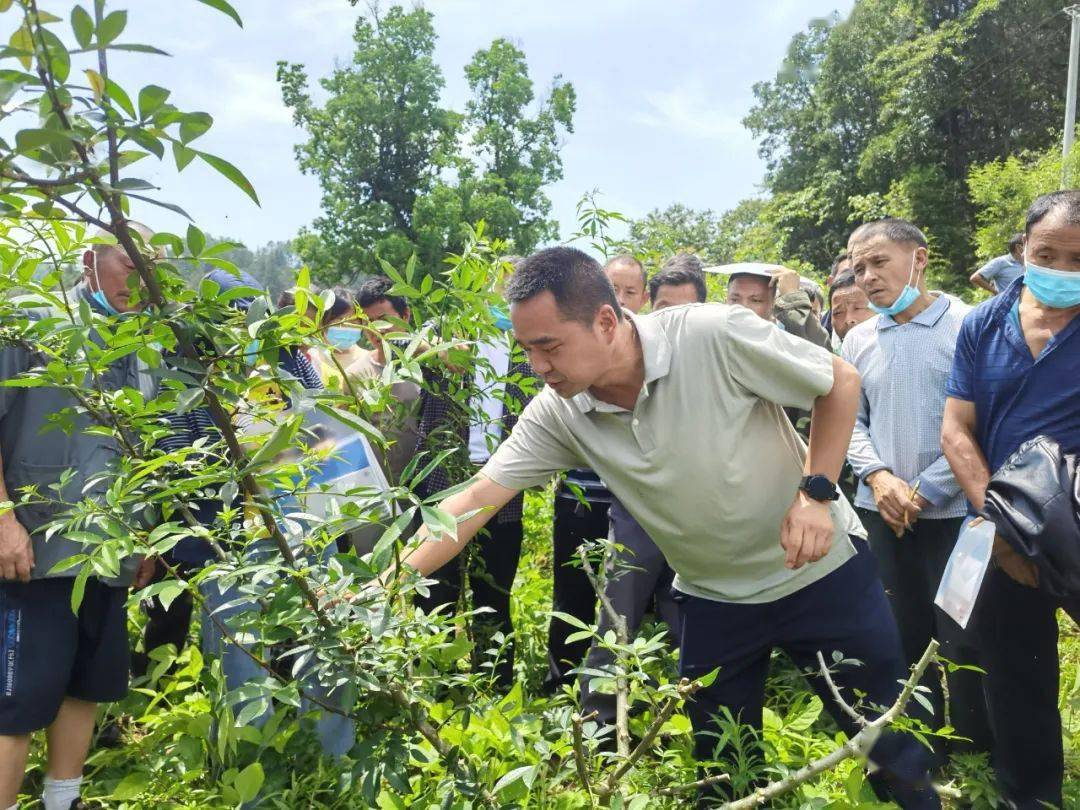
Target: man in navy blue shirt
x,y
1015,376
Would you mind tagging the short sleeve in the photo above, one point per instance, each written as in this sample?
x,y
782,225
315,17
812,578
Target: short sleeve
x,y
772,364
535,449
961,383
991,270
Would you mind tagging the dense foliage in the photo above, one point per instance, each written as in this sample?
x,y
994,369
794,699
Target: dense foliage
x,y
431,730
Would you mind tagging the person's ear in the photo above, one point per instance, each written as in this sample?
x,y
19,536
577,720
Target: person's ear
x,y
922,259
607,320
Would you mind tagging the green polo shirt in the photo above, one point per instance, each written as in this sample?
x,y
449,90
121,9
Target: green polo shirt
x,y
706,462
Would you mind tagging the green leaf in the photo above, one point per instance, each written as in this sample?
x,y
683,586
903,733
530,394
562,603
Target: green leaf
x,y
707,679
79,588
27,140
5,5
119,95
138,48
509,778
146,140
170,206
232,173
196,241
278,441
83,26
194,125
182,155
111,27
133,184
189,399
23,42
224,8
249,781
132,786
151,98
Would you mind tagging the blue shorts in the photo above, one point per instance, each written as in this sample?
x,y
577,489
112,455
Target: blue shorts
x,y
48,653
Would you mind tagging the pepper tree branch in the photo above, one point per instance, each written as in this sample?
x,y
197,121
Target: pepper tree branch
x,y
686,688
856,746
118,227
580,760
835,692
622,635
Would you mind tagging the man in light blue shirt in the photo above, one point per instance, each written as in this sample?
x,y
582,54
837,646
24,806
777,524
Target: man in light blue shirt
x,y
911,505
997,274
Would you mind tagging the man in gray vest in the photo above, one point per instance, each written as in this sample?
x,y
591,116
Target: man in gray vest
x,y
56,665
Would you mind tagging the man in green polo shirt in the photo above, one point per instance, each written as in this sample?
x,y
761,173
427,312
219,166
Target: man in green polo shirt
x,y
680,413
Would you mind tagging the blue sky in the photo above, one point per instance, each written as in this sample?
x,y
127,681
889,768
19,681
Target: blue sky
x,y
662,89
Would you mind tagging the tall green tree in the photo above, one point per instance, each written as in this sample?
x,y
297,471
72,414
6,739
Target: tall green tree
x,y
402,175
888,110
377,143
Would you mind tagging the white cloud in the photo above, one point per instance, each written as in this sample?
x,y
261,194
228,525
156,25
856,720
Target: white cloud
x,y
688,110
248,96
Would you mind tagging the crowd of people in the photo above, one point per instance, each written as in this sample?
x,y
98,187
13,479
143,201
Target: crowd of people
x,y
785,470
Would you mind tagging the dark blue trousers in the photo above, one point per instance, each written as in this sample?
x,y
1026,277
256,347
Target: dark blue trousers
x,y
845,611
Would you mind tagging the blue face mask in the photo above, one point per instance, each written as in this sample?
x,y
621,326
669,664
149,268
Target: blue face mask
x,y
343,338
1058,289
908,296
98,296
502,319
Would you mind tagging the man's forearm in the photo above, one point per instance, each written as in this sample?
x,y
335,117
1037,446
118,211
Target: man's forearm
x,y
968,464
482,497
981,282
832,422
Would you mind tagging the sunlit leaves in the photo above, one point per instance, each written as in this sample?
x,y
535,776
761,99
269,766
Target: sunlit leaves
x,y
82,24
231,173
151,98
111,27
225,8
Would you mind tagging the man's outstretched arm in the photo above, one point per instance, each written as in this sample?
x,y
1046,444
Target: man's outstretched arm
x,y
484,498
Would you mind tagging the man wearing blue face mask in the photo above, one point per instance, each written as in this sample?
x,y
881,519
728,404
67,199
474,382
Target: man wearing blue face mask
x,y
59,664
909,501
1016,375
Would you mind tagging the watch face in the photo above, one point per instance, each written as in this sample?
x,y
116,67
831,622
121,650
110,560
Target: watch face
x,y
819,488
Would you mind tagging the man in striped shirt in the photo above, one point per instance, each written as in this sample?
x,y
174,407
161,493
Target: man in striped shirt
x,y
909,501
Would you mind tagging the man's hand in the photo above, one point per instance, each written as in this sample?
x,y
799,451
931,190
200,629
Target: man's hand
x,y
894,500
144,573
807,531
785,281
16,550
1017,566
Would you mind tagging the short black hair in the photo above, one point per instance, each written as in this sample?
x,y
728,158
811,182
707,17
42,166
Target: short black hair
x,y
839,260
376,289
676,277
632,260
1015,241
574,278
894,229
1068,202
684,260
842,281
342,307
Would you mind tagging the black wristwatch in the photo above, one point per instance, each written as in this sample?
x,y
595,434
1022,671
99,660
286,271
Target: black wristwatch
x,y
819,488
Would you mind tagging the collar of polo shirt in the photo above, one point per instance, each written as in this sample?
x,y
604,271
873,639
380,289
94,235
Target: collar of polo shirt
x,y
656,349
928,317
